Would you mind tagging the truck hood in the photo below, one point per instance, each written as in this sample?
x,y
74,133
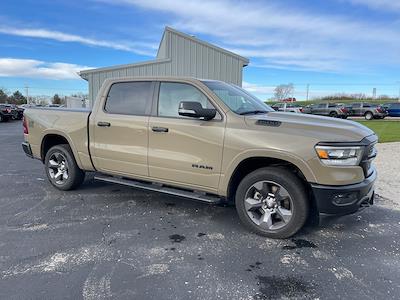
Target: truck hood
x,y
322,128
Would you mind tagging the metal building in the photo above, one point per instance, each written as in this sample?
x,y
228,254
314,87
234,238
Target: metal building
x,y
179,54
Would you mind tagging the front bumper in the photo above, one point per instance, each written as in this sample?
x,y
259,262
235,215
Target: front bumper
x,y
27,149
346,199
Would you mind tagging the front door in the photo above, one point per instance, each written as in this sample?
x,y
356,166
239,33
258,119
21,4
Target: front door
x,y
181,149
120,134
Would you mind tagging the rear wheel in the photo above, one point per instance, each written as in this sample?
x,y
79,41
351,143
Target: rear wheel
x,y
368,115
272,202
61,168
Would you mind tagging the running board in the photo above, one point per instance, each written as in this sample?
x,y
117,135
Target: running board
x,y
199,196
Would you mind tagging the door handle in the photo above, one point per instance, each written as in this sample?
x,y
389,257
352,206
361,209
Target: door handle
x,y
103,124
159,129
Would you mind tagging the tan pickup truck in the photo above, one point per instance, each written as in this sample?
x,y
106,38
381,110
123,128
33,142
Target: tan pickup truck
x,y
210,141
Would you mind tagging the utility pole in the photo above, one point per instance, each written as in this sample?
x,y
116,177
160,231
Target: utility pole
x,y
399,90
27,93
308,90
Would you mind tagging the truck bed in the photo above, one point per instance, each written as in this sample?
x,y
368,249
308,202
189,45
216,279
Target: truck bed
x,y
72,124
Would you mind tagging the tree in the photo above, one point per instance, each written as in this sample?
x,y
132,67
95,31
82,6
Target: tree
x,y
17,98
56,99
3,97
283,91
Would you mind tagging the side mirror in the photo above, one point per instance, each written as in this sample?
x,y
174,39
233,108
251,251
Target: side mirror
x,y
195,110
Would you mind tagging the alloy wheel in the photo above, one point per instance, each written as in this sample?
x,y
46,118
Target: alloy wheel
x,y
268,205
58,168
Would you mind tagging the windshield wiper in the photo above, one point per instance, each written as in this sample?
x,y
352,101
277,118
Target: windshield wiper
x,y
251,112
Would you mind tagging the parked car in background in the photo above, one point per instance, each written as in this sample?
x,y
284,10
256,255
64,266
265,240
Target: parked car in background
x,y
367,110
17,112
290,99
393,109
287,107
327,109
5,112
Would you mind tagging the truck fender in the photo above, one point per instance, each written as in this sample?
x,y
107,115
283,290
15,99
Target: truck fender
x,y
263,153
71,144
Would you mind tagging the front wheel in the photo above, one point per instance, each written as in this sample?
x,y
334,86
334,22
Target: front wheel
x,y
61,168
272,202
333,114
368,116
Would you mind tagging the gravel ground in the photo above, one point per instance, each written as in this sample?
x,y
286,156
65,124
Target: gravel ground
x,y
388,165
107,241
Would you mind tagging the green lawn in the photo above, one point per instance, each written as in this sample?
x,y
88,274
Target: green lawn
x,y
387,130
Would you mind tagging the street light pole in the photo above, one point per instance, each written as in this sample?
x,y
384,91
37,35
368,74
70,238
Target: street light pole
x,y
398,82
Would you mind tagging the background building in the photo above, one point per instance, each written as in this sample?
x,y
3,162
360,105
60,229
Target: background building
x,y
179,54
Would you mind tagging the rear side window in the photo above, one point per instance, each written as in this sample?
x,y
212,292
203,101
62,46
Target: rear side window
x,y
130,98
356,105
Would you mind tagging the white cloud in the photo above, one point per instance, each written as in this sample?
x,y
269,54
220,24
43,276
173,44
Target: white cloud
x,y
258,89
385,5
12,67
294,37
138,48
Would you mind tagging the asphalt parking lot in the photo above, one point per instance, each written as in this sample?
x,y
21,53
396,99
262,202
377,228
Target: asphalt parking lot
x,y
109,241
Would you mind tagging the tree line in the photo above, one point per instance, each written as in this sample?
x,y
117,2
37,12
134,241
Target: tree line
x,y
15,98
18,99
286,91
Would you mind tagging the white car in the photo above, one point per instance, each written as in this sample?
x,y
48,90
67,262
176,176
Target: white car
x,y
287,107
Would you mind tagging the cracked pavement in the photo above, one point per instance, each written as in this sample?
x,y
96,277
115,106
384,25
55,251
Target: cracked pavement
x,y
107,241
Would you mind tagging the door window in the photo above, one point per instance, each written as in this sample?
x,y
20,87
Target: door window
x,y
171,94
130,98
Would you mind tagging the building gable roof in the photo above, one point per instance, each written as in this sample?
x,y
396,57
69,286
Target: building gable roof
x,y
163,54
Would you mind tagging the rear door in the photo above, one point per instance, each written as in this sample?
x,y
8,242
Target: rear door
x,y
120,135
394,110
181,149
356,109
319,109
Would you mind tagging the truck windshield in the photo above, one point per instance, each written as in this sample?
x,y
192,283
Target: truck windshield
x,y
237,99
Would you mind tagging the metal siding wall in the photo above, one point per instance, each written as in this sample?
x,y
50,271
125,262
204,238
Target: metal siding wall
x,y
188,58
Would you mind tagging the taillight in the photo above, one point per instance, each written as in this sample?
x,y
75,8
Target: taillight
x,y
301,110
379,109
25,125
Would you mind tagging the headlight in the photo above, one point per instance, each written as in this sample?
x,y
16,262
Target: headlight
x,y
340,155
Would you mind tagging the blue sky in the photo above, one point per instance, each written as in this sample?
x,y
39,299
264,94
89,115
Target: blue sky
x,y
334,45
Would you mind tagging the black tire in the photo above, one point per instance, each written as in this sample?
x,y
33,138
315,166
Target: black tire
x,y
75,175
368,115
295,188
333,114
1,118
